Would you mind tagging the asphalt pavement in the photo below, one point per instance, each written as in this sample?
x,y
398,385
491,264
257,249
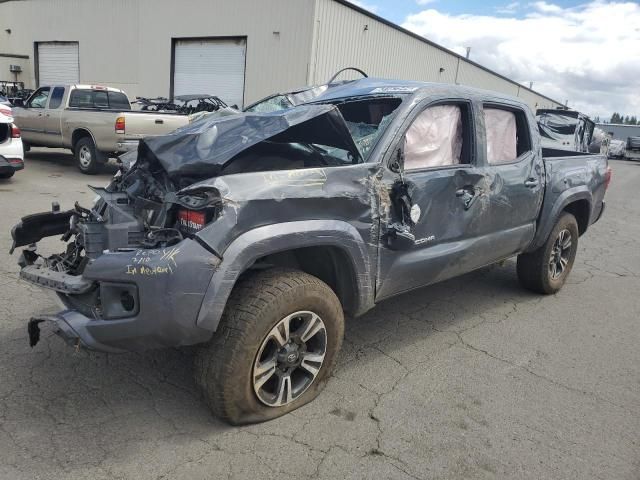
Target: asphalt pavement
x,y
471,378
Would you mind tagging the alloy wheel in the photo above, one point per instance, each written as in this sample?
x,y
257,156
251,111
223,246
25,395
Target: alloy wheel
x,y
289,358
560,254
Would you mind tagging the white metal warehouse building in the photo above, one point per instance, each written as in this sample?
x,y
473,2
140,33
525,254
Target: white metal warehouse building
x,y
240,50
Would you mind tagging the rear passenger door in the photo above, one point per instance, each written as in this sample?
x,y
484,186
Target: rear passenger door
x,y
515,172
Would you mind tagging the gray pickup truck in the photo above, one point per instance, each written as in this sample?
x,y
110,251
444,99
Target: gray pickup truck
x,y
252,233
95,122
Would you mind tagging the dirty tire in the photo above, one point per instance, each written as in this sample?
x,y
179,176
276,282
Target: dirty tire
x,y
86,156
533,268
7,174
260,301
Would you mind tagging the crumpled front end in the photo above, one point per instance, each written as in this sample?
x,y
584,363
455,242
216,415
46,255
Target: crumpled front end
x,y
130,300
131,276
136,266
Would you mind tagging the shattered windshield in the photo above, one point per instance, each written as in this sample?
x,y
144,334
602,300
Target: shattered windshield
x,y
366,119
271,104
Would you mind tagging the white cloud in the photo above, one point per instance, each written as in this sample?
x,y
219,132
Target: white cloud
x,y
508,9
367,6
587,54
545,7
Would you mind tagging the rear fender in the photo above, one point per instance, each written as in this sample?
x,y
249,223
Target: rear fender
x,y
551,212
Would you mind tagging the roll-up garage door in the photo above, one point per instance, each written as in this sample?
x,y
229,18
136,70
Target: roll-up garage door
x,y
58,63
210,66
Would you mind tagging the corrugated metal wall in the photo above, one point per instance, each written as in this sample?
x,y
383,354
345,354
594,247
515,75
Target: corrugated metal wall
x,y
127,43
290,43
345,37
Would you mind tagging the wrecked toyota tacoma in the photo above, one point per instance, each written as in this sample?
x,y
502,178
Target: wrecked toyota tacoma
x,y
252,233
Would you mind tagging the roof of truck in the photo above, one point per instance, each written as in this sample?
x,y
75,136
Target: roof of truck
x,y
83,86
384,86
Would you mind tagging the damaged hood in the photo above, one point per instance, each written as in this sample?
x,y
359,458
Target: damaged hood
x,y
206,146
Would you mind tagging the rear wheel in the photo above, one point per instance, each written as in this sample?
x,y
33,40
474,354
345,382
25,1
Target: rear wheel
x,y
7,174
86,156
546,269
274,349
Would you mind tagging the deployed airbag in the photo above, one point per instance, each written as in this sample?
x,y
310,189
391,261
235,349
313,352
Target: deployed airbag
x,y
204,147
434,138
502,138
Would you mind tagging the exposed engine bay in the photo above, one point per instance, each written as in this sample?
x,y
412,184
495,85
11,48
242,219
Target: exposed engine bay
x,y
139,209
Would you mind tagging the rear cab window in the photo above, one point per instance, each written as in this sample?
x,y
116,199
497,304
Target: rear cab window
x,y
507,133
102,99
118,101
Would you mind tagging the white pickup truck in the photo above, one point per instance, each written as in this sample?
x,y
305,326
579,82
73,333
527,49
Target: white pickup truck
x,y
95,122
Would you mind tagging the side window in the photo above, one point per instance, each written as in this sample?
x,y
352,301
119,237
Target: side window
x,y
436,138
56,97
39,99
507,135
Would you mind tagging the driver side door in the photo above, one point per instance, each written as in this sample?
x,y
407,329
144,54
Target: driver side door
x,y
32,118
439,198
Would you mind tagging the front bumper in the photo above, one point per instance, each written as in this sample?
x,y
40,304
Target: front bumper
x,y
169,284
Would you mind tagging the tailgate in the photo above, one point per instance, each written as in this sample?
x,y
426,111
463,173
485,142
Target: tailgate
x,y
143,124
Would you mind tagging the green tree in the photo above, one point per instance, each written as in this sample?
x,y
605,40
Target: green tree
x,y
616,118
633,120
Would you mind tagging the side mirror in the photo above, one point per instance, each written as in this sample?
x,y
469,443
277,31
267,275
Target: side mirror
x,y
18,102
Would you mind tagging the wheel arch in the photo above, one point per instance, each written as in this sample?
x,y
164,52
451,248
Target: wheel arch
x,y
577,201
331,250
79,133
581,210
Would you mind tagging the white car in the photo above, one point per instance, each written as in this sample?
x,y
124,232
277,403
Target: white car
x,y
11,151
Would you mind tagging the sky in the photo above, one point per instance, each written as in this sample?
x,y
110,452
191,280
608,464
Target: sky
x,y
585,52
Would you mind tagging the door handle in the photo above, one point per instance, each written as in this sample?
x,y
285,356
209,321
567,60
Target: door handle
x,y
159,121
531,183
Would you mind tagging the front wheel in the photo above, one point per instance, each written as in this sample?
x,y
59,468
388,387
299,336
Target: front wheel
x,y
546,269
274,349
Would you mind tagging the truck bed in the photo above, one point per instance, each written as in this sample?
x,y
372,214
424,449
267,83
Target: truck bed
x,y
571,177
